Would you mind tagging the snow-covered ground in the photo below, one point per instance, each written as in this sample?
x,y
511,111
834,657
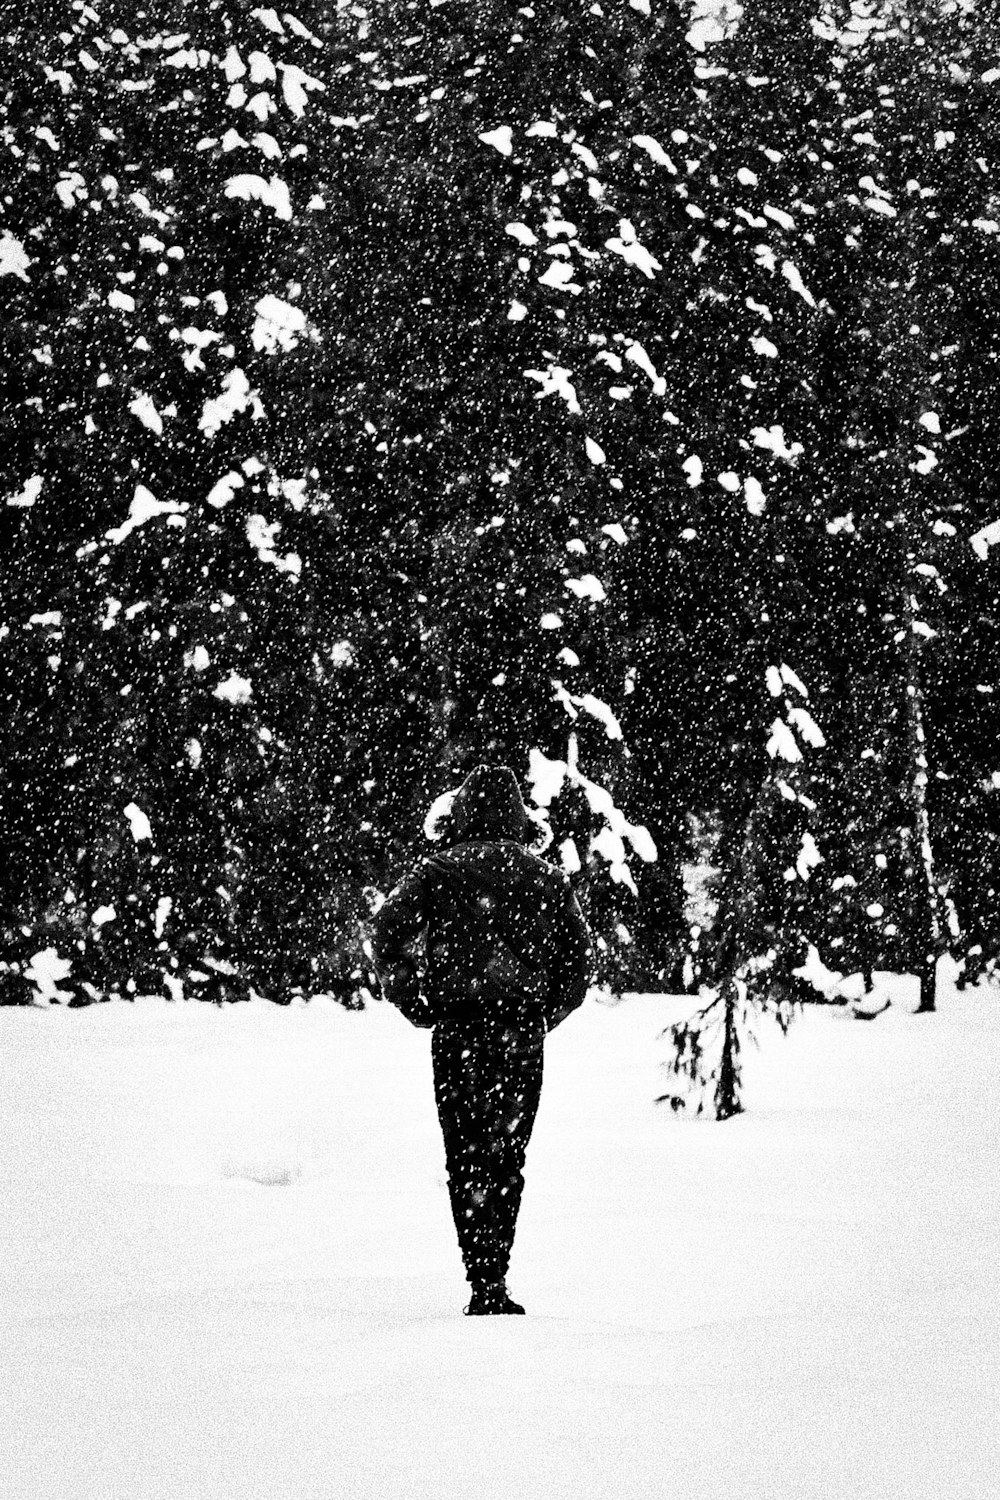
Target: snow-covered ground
x,y
228,1269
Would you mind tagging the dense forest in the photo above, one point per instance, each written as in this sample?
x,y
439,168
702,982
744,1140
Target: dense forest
x,y
394,387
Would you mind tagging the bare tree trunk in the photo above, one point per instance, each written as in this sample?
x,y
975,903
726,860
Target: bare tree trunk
x,y
928,927
735,906
727,1093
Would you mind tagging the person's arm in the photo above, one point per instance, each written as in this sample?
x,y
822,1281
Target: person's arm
x,y
397,927
573,960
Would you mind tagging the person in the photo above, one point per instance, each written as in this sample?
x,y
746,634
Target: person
x,y
506,957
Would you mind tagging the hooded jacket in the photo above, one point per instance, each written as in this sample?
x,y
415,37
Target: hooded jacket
x,y
501,932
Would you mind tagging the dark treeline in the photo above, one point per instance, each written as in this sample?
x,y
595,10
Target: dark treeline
x,y
396,386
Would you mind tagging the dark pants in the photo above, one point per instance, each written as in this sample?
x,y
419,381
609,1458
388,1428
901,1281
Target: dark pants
x,y
487,1083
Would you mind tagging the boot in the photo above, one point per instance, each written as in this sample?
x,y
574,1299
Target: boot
x,y
490,1298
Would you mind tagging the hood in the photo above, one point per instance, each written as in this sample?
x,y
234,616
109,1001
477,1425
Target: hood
x,y
488,806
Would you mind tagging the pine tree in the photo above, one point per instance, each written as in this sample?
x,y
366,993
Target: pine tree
x,y
923,236
178,579
478,240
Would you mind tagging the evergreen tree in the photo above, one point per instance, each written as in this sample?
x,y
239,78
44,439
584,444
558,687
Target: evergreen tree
x,y
923,238
389,394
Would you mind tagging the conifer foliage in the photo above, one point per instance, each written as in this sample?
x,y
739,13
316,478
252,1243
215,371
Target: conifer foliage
x,y
389,391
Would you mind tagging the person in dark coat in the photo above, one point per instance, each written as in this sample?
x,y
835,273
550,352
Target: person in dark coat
x,y
505,957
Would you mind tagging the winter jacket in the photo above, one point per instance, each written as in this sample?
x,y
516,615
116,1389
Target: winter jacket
x,y
485,930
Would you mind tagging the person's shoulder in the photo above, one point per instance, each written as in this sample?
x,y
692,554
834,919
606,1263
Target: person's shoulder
x,y
414,873
544,869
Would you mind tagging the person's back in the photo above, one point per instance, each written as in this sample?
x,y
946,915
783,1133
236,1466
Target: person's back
x,y
504,935
506,958
499,934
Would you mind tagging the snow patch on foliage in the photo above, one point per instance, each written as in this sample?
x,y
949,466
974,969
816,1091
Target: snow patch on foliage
x,y
44,972
233,65
236,396
500,139
779,216
224,489
29,493
756,500
807,727
773,439
693,468
793,680
559,277
197,339
521,233
144,507
261,535
69,188
253,188
631,251
652,147
555,381
782,743
599,710
262,69
589,586
278,324
139,825
791,274
585,154
808,857
234,689
269,19
14,260
547,778
983,540
636,355
296,86
144,408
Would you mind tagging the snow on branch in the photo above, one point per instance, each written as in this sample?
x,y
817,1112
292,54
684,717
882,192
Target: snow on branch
x,y
144,507
235,397
652,147
983,540
14,260
631,251
548,777
273,194
278,325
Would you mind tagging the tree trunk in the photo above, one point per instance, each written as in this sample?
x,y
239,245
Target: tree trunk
x,y
727,1093
928,986
736,902
927,919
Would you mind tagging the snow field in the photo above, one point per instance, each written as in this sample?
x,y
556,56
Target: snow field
x,y
229,1270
